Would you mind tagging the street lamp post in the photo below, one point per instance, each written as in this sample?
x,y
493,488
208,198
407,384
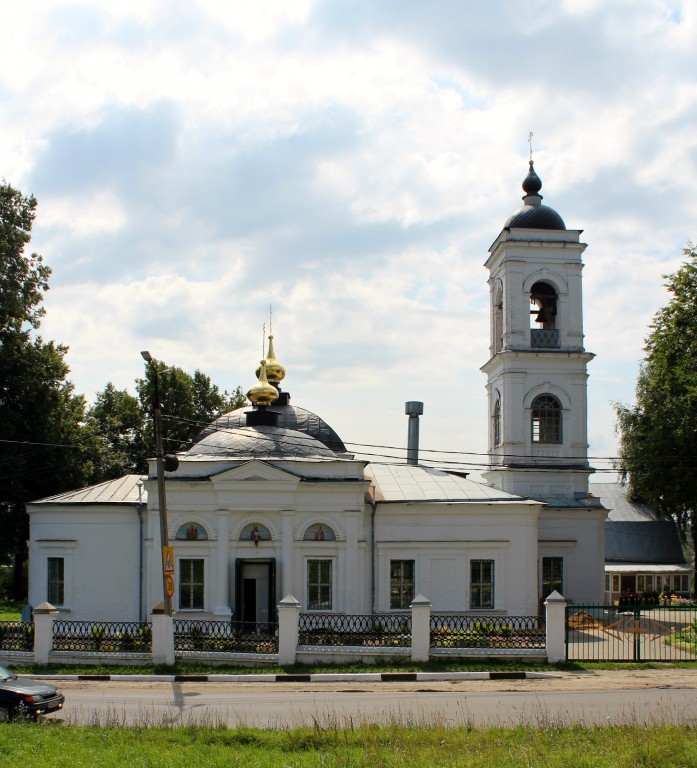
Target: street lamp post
x,y
161,498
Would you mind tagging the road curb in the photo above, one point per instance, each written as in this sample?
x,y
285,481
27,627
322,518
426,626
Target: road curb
x,y
320,677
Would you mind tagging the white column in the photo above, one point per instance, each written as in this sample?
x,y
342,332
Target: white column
x,y
162,637
288,622
222,563
287,563
420,628
44,615
352,570
555,606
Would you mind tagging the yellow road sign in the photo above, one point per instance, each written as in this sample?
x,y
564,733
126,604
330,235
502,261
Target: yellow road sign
x,y
168,559
169,586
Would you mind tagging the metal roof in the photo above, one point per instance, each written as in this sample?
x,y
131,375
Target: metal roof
x,y
259,442
290,417
409,482
122,490
634,533
614,498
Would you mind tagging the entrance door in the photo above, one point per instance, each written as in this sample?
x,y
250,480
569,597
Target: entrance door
x,y
255,591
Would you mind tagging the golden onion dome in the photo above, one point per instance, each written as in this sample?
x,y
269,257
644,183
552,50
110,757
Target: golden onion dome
x,y
275,372
262,393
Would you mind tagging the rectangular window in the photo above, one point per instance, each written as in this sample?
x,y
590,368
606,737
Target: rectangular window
x,y
56,581
648,581
481,583
607,583
319,585
615,582
191,585
401,583
640,583
552,575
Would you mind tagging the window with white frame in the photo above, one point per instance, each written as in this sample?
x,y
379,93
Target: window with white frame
x,y
55,581
401,583
546,420
497,423
191,584
481,583
615,582
319,585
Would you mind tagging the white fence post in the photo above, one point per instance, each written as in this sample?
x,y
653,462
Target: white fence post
x,y
44,616
288,625
555,606
420,628
162,637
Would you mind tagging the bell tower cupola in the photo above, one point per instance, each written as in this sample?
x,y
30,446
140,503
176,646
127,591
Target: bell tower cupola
x,y
536,372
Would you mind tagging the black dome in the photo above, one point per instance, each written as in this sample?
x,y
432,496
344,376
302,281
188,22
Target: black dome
x,y
536,217
290,417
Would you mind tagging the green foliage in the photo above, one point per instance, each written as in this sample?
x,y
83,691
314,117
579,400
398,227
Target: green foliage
x,y
549,743
42,451
658,433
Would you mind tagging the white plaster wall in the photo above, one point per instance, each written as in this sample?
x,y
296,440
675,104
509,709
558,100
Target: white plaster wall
x,y
100,548
578,536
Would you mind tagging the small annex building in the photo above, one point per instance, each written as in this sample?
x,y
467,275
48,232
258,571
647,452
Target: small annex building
x,y
643,552
268,501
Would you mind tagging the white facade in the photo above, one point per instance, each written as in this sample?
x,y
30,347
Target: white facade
x,y
268,503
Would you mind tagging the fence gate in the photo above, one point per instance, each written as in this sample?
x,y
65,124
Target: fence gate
x,y
631,633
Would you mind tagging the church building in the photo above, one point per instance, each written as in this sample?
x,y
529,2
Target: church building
x,y
268,502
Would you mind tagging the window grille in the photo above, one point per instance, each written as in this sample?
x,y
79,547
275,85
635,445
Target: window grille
x,y
481,583
191,584
319,585
546,419
401,583
56,581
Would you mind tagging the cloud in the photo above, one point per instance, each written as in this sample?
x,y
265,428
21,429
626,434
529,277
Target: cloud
x,y
350,163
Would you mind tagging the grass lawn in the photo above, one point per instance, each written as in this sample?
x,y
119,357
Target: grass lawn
x,y
10,610
49,744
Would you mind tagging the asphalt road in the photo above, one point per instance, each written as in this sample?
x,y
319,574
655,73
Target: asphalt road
x,y
273,707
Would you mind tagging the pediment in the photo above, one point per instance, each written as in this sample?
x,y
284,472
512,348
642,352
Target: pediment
x,y
256,471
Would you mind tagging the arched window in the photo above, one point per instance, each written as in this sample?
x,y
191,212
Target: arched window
x,y
543,306
546,419
497,423
255,532
319,532
191,532
498,318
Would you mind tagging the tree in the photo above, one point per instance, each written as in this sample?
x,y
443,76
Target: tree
x,y
42,451
658,434
189,404
123,434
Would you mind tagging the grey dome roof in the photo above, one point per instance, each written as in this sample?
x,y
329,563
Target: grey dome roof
x,y
290,417
260,442
536,217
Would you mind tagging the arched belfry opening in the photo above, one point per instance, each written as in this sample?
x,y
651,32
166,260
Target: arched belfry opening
x,y
543,306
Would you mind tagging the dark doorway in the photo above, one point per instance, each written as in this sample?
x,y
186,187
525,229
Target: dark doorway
x,y
249,600
255,591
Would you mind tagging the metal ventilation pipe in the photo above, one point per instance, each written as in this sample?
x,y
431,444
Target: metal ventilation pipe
x,y
413,409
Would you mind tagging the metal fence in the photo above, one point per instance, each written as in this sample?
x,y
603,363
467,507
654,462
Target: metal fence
x,y
379,630
521,632
197,636
16,636
102,636
631,633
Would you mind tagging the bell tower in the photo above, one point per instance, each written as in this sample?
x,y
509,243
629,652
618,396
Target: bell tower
x,y
537,367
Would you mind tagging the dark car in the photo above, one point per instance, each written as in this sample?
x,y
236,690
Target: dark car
x,y
20,696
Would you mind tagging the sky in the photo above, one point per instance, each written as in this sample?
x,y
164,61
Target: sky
x,y
348,162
